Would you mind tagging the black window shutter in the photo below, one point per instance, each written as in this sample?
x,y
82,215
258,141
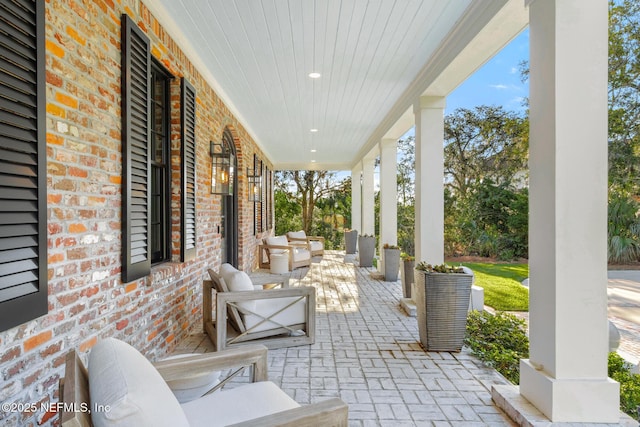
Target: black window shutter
x,y
23,204
188,214
136,113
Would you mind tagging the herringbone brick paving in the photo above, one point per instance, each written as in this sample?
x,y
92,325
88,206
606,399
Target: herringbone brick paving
x,y
367,352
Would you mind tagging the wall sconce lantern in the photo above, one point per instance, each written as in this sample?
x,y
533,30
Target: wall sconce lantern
x,y
222,173
254,179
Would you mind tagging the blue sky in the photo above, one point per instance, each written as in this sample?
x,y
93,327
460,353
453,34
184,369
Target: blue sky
x,y
497,82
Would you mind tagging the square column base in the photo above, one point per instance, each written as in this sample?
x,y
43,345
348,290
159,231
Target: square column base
x,y
409,306
524,414
570,400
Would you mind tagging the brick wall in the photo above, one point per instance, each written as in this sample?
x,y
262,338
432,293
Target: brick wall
x,y
87,299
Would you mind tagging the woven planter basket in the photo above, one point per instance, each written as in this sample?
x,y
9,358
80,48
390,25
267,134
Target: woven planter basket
x,y
442,302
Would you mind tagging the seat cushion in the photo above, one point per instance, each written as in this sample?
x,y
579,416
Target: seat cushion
x,y
125,381
266,307
297,234
241,282
226,270
242,403
277,241
301,254
316,246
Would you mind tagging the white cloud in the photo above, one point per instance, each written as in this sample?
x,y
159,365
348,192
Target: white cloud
x,y
499,87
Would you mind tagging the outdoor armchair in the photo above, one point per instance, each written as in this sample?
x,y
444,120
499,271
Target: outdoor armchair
x,y
314,243
276,317
122,388
299,253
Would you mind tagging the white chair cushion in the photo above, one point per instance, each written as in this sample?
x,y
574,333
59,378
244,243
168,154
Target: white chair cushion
x,y
301,254
241,282
226,270
190,388
297,234
265,307
316,245
125,381
277,241
244,403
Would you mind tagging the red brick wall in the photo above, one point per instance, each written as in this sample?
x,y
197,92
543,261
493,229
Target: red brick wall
x,y
87,300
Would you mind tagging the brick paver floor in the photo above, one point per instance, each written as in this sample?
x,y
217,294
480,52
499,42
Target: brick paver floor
x,y
367,353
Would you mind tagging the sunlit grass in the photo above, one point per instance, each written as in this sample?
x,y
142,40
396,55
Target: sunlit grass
x,y
501,283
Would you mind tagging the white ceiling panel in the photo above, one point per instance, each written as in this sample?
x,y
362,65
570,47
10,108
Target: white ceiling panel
x,y
370,53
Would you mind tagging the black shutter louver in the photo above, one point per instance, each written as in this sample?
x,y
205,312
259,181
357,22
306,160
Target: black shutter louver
x,y
188,214
136,113
23,221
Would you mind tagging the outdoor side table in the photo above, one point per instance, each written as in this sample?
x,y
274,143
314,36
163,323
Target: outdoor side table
x,y
279,262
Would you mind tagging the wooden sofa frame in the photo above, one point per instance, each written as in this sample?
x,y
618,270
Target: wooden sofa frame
x,y
265,250
307,241
76,401
229,329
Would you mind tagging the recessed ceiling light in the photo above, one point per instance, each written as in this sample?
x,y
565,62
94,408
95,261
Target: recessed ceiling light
x,y
314,75
313,130
313,150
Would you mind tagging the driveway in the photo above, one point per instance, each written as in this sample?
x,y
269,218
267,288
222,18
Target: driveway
x,y
623,291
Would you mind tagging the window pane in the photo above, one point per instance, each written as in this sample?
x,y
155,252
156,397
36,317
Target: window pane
x,y
160,214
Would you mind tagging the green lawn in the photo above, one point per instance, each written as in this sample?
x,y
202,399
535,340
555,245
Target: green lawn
x,y
501,283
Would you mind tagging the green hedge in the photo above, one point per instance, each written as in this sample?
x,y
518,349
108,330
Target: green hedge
x,y
500,341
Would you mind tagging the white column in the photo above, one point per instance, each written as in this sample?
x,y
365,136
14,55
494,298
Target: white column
x,y
368,206
388,194
566,375
356,198
429,228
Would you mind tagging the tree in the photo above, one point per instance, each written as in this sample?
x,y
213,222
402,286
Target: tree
x,y
305,188
486,205
485,142
288,213
406,170
406,195
624,96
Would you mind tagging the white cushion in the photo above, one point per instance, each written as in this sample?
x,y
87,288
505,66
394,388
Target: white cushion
x,y
277,241
316,245
297,234
265,307
301,254
123,380
241,282
226,270
190,388
244,403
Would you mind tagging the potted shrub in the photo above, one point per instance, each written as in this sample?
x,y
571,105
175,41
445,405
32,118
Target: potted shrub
x,y
366,249
350,240
406,273
391,262
442,296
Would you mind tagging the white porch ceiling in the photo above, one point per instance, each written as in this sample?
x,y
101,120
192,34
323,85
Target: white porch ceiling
x,y
375,59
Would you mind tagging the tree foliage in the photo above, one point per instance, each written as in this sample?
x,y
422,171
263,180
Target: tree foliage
x,y
305,188
406,195
313,201
624,96
484,142
486,202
